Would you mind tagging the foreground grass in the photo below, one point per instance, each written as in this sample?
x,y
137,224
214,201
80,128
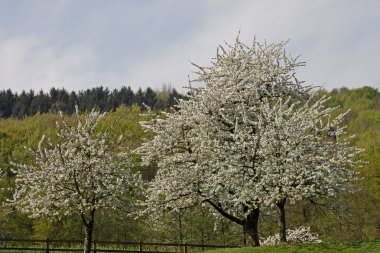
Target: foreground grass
x,y
351,247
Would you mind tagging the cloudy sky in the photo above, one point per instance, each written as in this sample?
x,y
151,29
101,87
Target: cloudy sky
x,y
79,44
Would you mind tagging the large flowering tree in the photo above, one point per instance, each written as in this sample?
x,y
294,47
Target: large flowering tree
x,y
201,150
247,139
80,173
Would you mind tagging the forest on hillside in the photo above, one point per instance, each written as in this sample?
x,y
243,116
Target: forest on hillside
x,y
30,102
27,116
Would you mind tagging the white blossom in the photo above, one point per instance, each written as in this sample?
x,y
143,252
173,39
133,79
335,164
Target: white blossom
x,y
299,235
78,174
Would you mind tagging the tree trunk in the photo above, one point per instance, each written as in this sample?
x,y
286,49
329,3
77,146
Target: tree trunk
x,y
281,219
89,226
250,227
249,224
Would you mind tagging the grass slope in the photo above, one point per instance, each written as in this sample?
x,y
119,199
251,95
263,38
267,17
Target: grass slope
x,y
352,247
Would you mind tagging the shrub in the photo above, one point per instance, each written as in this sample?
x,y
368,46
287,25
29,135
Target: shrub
x,y
298,235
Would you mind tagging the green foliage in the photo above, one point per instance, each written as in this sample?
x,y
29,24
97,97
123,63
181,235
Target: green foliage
x,y
195,225
115,225
69,228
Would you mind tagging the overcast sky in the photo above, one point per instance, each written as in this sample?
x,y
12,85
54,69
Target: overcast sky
x,y
79,44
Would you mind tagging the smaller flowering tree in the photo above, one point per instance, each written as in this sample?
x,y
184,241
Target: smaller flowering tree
x,y
79,174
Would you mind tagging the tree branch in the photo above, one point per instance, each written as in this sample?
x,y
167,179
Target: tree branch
x,y
224,213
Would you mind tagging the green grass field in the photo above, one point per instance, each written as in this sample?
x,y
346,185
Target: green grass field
x,y
352,247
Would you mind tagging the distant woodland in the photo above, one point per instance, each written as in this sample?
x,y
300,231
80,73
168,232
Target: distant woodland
x,y
25,117
28,103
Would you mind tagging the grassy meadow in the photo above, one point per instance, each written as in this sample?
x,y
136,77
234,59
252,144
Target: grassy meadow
x,y
351,247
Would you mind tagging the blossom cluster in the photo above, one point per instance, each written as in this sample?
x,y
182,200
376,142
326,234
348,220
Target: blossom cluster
x,y
299,235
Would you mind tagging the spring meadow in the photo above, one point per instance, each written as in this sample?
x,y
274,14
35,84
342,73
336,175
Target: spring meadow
x,y
222,140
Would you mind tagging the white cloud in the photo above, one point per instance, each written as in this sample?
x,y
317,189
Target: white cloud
x,y
338,40
322,31
27,62
30,63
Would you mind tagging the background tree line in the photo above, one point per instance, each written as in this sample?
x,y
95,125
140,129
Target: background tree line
x,y
358,213
28,103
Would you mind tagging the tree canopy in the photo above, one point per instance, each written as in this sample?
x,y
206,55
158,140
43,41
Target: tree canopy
x,y
248,139
79,173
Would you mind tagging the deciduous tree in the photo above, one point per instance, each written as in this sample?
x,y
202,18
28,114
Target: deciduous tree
x,y
209,150
251,137
78,174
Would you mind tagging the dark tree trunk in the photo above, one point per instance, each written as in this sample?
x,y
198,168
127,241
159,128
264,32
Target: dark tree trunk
x,y
250,227
89,227
249,224
87,239
281,219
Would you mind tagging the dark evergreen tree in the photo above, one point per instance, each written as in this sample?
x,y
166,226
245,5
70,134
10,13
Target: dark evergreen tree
x,y
63,100
7,100
54,94
112,100
22,104
27,103
40,103
99,97
139,97
60,100
125,96
149,97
